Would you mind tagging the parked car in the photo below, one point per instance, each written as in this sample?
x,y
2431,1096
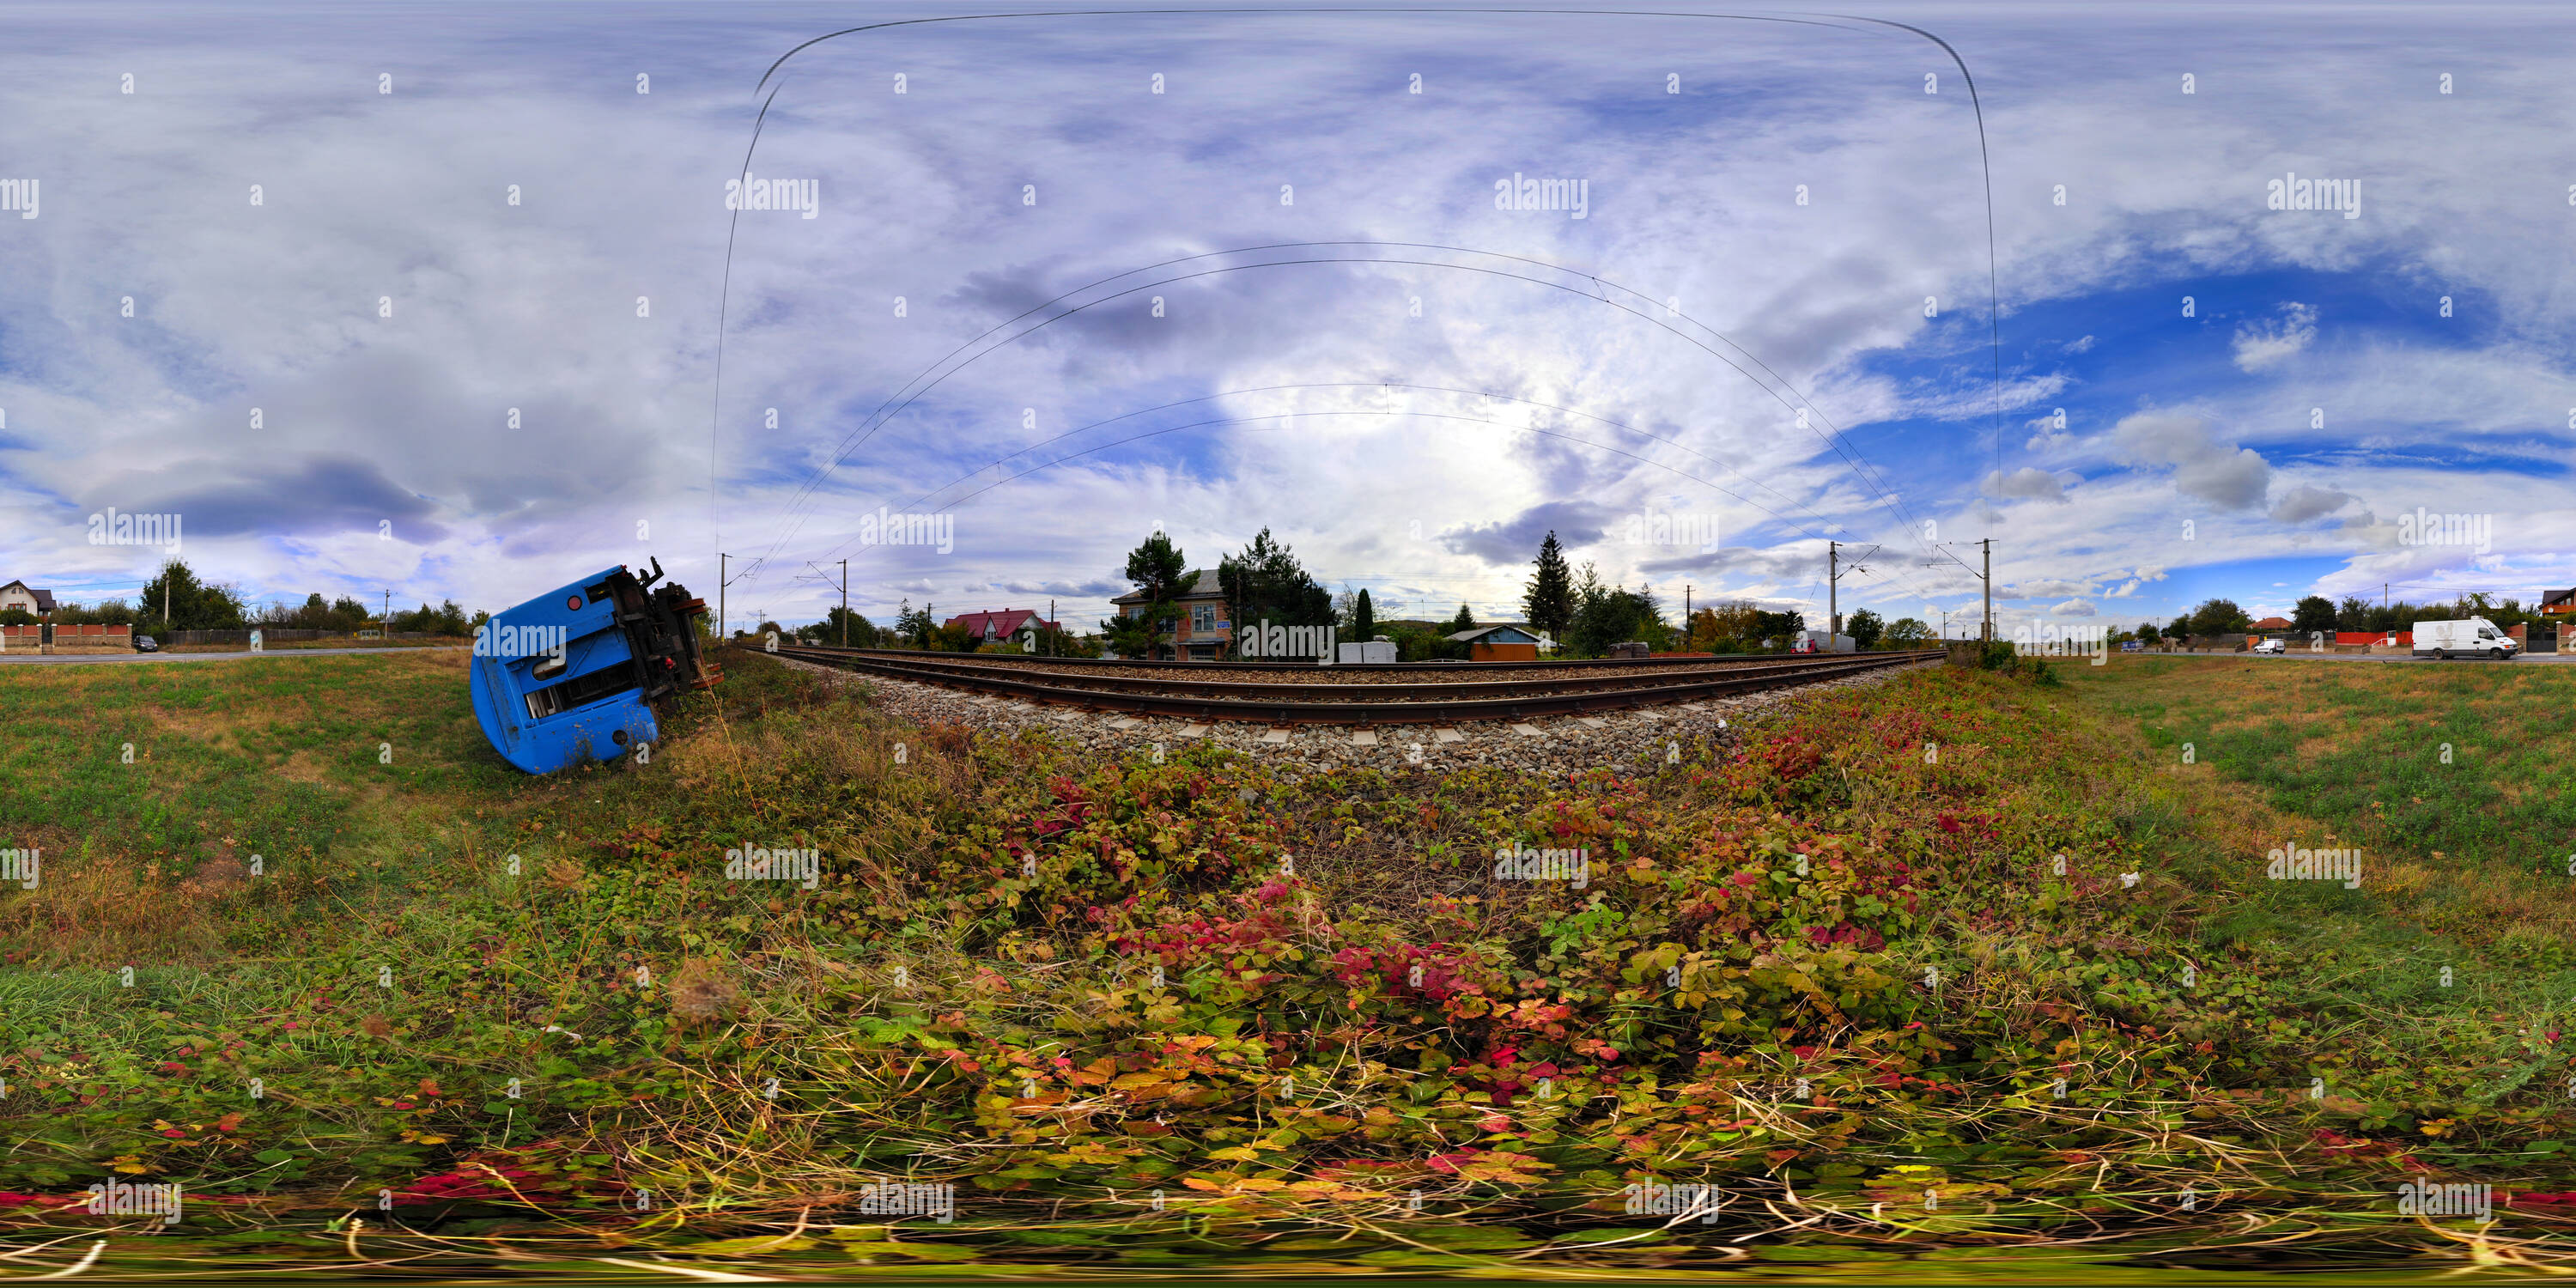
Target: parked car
x,y
146,644
2467,635
2273,645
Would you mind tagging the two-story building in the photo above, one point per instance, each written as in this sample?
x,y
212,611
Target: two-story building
x,y
1203,629
18,594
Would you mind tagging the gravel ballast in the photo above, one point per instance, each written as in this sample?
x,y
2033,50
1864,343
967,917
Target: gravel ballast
x,y
1551,744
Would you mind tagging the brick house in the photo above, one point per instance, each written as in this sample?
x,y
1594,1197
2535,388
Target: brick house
x,y
1005,625
1204,627
2270,624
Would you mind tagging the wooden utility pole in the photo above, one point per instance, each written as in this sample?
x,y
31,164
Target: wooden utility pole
x,y
845,602
721,583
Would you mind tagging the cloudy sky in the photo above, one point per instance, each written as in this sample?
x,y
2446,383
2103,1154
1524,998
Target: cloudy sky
x,y
449,301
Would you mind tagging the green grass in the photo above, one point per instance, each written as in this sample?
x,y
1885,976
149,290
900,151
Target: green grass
x,y
971,997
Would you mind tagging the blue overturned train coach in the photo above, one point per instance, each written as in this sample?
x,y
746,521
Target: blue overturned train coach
x,y
571,676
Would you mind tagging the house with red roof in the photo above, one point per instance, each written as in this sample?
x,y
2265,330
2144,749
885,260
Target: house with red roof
x,y
1005,626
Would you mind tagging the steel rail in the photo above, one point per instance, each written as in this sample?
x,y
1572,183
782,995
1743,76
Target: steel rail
x,y
1429,711
1574,664
1322,691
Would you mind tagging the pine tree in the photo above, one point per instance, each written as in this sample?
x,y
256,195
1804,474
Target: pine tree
x,y
1548,602
1363,618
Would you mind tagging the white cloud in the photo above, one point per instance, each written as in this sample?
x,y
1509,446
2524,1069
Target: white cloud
x,y
2073,608
2231,478
2260,346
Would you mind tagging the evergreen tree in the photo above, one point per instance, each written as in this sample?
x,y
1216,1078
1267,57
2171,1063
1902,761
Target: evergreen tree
x,y
2314,613
1464,621
1266,584
1363,618
1548,602
1157,567
1159,571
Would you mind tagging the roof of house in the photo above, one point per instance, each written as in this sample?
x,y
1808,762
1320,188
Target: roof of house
x,y
1499,633
44,598
1000,623
2559,596
2273,624
1200,583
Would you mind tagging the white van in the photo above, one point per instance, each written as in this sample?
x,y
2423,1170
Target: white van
x,y
2467,636
2272,645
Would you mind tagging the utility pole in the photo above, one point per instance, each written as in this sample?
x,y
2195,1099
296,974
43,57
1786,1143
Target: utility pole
x,y
721,583
1988,577
386,622
1833,603
1047,630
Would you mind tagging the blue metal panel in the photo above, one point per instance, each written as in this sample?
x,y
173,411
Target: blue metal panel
x,y
565,637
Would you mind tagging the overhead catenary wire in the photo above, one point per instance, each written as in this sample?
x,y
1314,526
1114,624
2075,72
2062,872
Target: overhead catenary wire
x,y
1846,22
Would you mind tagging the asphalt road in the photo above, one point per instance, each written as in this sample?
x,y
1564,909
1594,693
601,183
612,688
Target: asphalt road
x,y
2530,659
76,659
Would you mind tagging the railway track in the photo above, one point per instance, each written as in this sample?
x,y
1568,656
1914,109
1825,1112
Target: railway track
x,y
1583,687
